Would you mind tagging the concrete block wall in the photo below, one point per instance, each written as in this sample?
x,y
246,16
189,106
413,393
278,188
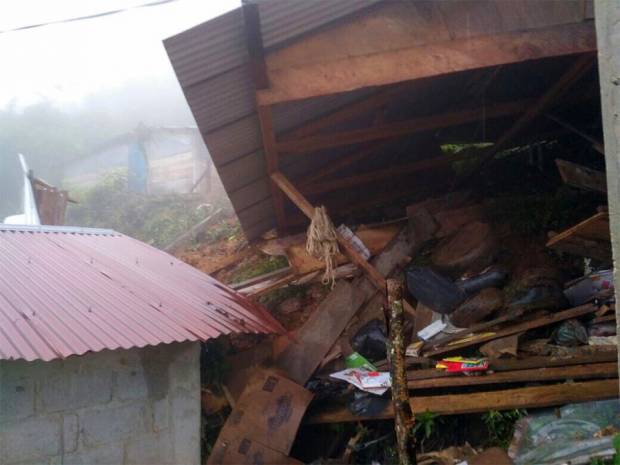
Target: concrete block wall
x,y
137,406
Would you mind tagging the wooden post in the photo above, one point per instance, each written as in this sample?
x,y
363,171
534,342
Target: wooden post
x,y
607,15
403,415
308,209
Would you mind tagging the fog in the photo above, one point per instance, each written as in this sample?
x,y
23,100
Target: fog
x,y
66,87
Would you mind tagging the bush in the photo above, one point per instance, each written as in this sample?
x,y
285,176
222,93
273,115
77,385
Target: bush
x,y
154,219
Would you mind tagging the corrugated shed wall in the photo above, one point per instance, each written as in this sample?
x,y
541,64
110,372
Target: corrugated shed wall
x,y
210,63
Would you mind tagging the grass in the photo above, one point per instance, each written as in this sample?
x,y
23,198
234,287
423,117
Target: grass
x,y
501,426
265,264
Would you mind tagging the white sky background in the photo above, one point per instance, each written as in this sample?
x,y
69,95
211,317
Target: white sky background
x,y
67,62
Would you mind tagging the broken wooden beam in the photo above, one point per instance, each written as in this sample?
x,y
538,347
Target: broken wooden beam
x,y
518,328
424,61
476,402
401,128
588,371
306,207
581,177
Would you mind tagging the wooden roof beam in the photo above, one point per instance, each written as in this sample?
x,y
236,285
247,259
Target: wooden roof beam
x,y
402,128
428,60
380,175
308,209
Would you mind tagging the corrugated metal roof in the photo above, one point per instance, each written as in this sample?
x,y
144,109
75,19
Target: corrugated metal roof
x,y
210,63
68,291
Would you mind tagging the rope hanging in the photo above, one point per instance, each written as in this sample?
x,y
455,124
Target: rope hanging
x,y
322,243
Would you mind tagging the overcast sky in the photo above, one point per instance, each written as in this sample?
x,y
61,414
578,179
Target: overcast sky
x,y
67,62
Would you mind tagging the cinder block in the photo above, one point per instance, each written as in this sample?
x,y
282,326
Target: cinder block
x,y
151,449
111,454
70,388
130,383
16,391
70,432
107,425
160,409
185,421
32,440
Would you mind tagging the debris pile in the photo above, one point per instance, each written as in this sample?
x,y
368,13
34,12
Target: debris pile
x,y
494,320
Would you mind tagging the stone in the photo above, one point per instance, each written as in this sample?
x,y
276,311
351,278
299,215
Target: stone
x,y
477,308
71,388
70,432
290,305
107,425
110,454
185,423
149,449
30,440
16,392
473,247
131,383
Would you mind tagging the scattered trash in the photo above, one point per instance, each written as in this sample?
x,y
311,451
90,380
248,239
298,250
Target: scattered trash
x,y
374,382
432,330
570,333
462,365
587,287
478,307
367,405
570,434
370,341
356,360
491,277
434,290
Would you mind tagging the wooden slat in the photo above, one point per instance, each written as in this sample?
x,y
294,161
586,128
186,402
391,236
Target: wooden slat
x,y
271,158
380,175
434,59
505,399
254,45
298,199
518,328
559,88
592,371
509,364
402,128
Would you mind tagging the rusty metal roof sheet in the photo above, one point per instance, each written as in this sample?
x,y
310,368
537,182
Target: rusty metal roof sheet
x,y
67,291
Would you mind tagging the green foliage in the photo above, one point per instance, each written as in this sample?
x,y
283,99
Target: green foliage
x,y
425,424
154,219
256,268
501,425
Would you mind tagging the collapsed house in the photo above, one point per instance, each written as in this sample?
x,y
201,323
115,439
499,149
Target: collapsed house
x,y
99,347
458,117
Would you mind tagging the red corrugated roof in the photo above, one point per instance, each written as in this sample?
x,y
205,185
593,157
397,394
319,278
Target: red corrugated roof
x,y
67,291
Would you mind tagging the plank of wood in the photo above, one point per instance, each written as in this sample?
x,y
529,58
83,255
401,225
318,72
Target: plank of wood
x,y
433,59
254,45
581,177
518,328
505,399
510,364
265,119
261,278
325,325
591,371
401,128
381,175
306,207
595,228
375,240
574,72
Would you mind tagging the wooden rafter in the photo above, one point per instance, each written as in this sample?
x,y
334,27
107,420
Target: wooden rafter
x,y
380,175
258,71
306,207
434,59
401,128
572,75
